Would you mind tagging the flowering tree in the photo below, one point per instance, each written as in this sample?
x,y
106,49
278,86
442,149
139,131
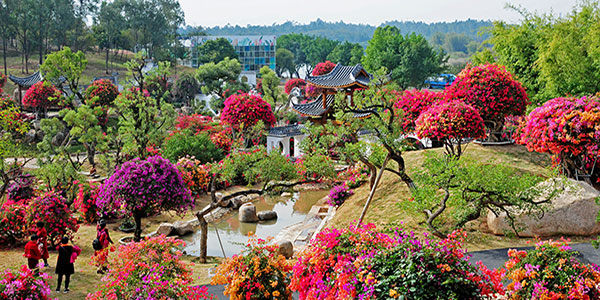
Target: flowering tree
x,y
24,284
243,111
413,103
101,92
321,68
258,272
41,95
52,209
451,122
12,222
292,83
145,187
150,269
569,129
492,90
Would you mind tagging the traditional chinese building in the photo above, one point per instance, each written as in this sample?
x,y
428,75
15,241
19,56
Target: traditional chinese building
x,y
24,83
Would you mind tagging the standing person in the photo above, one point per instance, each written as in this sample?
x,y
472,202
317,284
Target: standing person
x,y
64,262
32,252
101,255
42,241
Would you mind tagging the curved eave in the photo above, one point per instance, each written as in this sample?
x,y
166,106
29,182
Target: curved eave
x,y
359,85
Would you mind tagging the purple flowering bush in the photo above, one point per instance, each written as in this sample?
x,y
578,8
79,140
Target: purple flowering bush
x,y
23,284
145,187
338,194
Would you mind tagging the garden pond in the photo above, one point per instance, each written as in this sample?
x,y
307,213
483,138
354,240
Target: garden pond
x,y
234,234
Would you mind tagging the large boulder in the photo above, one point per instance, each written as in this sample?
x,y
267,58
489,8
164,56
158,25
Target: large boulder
x,y
572,212
267,215
247,213
164,228
183,227
286,248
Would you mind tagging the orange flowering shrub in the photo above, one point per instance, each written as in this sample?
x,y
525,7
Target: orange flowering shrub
x,y
259,272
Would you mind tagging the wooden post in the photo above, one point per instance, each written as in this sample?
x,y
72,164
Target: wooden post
x,y
364,211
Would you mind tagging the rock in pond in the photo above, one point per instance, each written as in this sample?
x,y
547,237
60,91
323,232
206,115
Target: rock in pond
x,y
247,213
267,215
286,248
182,227
165,228
572,212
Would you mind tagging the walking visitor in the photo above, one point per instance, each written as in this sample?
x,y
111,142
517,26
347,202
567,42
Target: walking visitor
x,y
32,252
101,246
67,254
42,241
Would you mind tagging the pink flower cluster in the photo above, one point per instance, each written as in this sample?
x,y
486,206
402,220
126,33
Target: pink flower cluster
x,y
413,103
41,95
453,120
245,110
292,83
24,284
52,209
101,92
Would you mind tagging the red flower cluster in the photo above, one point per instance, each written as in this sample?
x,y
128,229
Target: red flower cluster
x,y
413,103
2,82
491,90
101,92
245,110
196,122
24,284
450,120
294,82
42,95
52,209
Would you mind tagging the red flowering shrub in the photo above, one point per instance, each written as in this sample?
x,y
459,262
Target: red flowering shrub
x,y
491,90
13,226
321,68
245,110
24,284
150,269
195,175
450,122
294,82
567,128
42,95
223,140
195,122
85,202
413,103
52,209
101,92
2,82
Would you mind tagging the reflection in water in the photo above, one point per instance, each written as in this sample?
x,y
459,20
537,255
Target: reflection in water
x,y
234,234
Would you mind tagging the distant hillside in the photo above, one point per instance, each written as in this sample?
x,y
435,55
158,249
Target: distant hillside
x,y
355,33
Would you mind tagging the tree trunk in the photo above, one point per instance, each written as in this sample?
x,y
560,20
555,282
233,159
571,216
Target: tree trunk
x,y
137,234
4,55
373,189
106,63
203,239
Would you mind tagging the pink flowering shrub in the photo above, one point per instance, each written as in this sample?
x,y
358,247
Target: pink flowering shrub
x,y
329,267
24,284
245,110
41,95
550,271
292,83
196,123
413,103
101,92
567,128
492,90
321,68
151,269
145,187
85,202
338,195
13,225
450,122
355,175
52,209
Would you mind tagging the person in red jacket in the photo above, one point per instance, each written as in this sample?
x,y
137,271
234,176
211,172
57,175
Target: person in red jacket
x,y
32,252
42,241
100,257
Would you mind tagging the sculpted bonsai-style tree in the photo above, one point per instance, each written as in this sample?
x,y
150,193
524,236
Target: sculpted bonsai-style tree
x,y
243,111
101,92
142,188
41,96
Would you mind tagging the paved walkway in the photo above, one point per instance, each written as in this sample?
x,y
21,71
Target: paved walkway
x,y
491,258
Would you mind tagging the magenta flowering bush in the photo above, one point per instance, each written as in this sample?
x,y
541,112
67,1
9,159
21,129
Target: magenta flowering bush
x,y
101,92
338,194
292,83
24,284
450,122
145,187
492,90
52,209
413,103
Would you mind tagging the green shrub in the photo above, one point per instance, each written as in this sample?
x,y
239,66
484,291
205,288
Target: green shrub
x,y
186,143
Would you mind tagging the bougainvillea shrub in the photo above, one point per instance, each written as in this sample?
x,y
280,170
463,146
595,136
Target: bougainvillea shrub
x,y
13,225
85,202
151,269
24,284
141,188
569,129
52,209
492,90
195,175
258,272
245,110
450,122
223,139
41,95
550,271
292,83
422,268
101,92
22,188
338,195
355,175
321,68
195,122
328,268
413,103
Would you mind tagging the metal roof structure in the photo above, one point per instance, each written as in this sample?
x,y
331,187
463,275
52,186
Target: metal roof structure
x,y
26,81
285,131
342,77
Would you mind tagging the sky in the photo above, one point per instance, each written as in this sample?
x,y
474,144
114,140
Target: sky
x,y
209,13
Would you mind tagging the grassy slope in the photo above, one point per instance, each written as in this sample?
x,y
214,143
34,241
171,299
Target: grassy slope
x,y
385,212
